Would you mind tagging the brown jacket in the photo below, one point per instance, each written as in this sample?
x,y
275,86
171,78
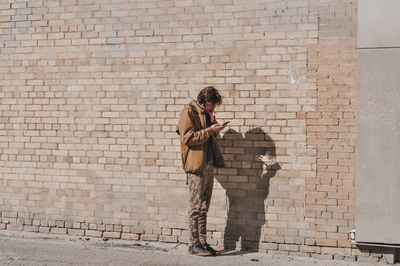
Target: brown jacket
x,y
193,136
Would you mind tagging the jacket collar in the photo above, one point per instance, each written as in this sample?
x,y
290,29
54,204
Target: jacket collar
x,y
196,107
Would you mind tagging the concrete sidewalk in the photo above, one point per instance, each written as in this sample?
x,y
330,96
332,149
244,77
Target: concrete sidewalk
x,y
24,248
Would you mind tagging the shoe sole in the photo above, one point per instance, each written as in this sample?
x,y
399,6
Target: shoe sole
x,y
201,255
214,253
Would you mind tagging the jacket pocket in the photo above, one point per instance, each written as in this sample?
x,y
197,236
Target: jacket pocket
x,y
195,159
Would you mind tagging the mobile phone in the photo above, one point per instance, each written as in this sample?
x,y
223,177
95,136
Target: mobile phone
x,y
227,122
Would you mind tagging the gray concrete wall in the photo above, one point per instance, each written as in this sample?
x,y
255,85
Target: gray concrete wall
x,y
378,151
378,23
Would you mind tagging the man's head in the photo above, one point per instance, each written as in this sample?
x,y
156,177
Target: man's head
x,y
209,98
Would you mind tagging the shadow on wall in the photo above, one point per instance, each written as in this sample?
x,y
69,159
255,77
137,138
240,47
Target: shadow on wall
x,y
250,163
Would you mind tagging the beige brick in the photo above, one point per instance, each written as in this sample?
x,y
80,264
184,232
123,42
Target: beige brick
x,y
44,229
93,233
31,228
171,239
147,237
55,230
97,122
112,234
76,232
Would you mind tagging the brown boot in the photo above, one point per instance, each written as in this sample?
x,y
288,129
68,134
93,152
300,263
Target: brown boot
x,y
210,249
199,251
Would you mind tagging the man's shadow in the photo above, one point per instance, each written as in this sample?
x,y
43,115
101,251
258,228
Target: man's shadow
x,y
249,164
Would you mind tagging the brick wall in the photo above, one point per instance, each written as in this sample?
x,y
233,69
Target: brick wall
x,y
90,95
331,128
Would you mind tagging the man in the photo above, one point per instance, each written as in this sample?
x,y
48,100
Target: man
x,y
198,129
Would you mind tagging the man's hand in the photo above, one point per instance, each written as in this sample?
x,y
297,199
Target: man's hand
x,y
217,128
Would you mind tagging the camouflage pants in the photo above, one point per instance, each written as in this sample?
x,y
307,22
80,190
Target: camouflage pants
x,y
200,190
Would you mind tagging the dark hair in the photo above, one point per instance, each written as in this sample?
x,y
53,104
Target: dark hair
x,y
209,95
